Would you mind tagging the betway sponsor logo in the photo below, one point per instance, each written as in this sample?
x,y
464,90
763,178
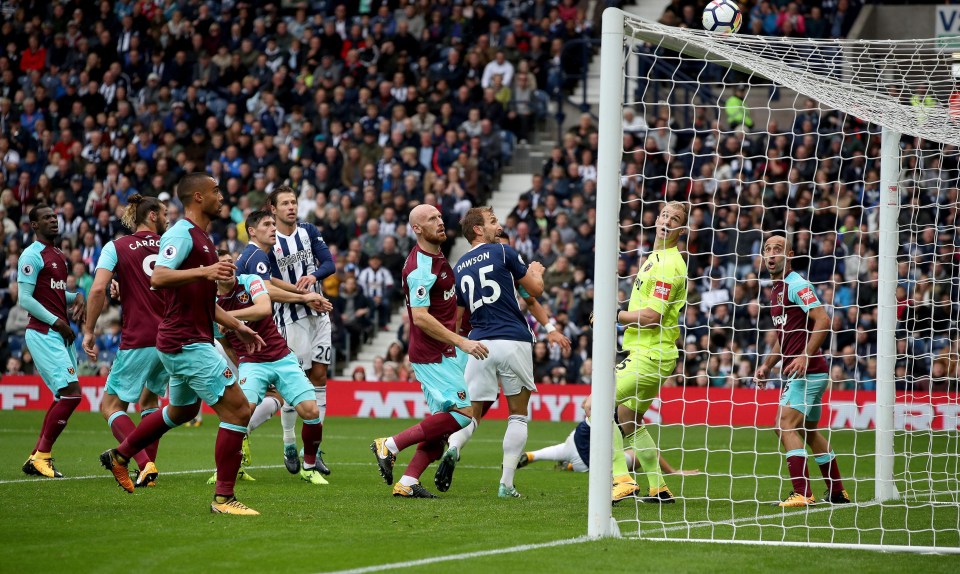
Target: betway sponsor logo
x,y
61,285
779,320
476,259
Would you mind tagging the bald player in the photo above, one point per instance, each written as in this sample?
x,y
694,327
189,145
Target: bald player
x,y
438,355
802,326
186,272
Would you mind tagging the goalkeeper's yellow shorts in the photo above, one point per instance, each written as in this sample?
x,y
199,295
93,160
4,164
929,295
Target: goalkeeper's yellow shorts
x,y
639,379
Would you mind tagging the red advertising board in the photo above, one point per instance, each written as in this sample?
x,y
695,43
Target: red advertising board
x,y
676,405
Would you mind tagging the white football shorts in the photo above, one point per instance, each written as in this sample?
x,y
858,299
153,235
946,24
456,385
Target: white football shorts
x,y
310,339
511,361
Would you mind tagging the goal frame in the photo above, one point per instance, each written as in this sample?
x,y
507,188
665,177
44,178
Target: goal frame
x,y
600,521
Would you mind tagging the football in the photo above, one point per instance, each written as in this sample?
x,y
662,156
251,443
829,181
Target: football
x,y
722,16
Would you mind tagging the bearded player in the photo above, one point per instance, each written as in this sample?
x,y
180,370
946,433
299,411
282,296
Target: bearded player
x,y
303,259
186,273
802,326
659,294
42,281
437,354
246,298
137,375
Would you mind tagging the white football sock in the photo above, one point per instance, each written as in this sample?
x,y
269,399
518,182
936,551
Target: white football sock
x,y
321,394
556,453
288,419
392,445
513,442
460,438
408,480
263,413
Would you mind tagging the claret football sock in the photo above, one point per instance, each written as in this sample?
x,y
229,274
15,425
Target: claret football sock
x,y
797,464
121,426
53,425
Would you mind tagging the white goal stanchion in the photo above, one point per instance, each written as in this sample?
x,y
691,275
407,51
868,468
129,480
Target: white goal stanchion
x,y
850,148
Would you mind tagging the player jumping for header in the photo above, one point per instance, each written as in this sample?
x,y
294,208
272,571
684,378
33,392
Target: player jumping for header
x,y
802,326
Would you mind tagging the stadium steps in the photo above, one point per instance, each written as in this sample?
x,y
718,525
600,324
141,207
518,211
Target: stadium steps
x,y
375,348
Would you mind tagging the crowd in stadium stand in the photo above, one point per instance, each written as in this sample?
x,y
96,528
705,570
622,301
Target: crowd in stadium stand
x,y
368,109
365,108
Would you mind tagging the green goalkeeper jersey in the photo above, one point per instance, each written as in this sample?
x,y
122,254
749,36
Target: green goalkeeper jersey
x,y
660,285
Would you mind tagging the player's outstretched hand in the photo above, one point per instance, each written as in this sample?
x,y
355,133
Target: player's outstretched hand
x,y
475,348
220,271
89,346
114,290
250,338
319,303
558,338
61,326
306,282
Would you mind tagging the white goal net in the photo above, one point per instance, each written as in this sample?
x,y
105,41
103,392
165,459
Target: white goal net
x,y
850,150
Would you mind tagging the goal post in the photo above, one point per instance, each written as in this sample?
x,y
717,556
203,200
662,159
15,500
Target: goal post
x,y
852,151
600,522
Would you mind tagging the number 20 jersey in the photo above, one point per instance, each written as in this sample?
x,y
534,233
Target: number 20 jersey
x,y
486,276
131,258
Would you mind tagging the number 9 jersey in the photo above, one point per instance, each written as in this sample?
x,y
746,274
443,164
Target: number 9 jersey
x,y
486,276
131,259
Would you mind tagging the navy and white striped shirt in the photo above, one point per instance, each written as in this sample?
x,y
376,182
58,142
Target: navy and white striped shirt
x,y
300,253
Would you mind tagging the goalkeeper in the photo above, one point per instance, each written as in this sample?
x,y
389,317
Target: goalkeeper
x,y
659,294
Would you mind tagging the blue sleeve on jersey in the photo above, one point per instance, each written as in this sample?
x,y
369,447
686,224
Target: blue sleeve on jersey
x,y
32,306
274,266
801,293
175,245
70,297
514,262
325,264
108,257
29,267
257,264
254,285
420,281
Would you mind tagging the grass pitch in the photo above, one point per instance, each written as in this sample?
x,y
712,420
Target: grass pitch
x,y
85,523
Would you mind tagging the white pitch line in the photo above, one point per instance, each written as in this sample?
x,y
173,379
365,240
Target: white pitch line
x,y
462,556
204,470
